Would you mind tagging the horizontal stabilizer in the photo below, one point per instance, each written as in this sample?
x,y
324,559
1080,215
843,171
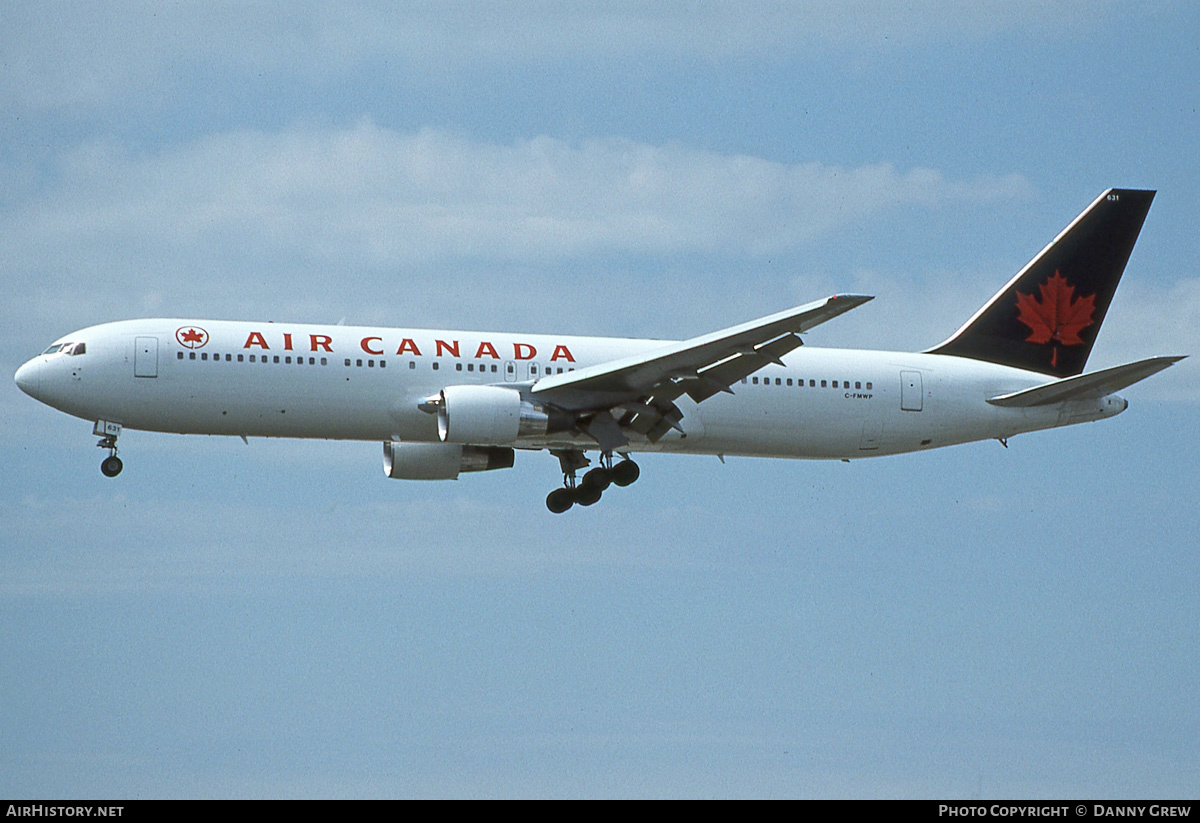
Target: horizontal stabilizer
x,y
1086,386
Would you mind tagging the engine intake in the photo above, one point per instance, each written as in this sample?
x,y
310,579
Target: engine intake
x,y
441,461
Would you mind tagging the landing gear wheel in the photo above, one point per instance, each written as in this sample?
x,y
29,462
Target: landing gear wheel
x,y
598,478
625,473
559,500
111,466
586,495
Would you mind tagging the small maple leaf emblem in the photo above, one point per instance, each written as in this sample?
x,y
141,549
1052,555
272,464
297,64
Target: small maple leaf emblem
x,y
192,337
1056,314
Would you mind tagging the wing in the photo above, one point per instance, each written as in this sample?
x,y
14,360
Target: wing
x,y
641,390
1086,386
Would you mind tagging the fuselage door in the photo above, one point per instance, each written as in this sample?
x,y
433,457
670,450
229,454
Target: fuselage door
x,y
145,357
872,434
910,391
510,371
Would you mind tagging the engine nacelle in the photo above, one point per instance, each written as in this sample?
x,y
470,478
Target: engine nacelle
x,y
441,461
493,415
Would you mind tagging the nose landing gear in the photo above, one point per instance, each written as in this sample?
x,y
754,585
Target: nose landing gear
x,y
588,490
111,466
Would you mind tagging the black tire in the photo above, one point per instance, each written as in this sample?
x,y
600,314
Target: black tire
x,y
559,500
587,495
111,466
625,473
598,478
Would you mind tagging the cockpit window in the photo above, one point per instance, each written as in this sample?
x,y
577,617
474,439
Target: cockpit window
x,y
67,348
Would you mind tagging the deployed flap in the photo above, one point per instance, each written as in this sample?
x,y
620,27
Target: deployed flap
x,y
1086,386
701,366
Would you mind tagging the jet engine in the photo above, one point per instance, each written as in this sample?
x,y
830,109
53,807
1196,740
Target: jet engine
x,y
441,461
493,415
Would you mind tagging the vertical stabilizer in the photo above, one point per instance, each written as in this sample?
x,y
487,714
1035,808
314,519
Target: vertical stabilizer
x,y
1046,318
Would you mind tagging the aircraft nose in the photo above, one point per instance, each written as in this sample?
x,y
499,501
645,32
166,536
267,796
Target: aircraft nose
x,y
28,377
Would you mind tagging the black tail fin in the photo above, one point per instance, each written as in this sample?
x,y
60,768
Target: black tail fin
x,y
1046,318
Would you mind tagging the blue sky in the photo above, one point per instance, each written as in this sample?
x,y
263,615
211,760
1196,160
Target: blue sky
x,y
279,619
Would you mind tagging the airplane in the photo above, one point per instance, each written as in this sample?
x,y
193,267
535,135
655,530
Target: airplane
x,y
448,402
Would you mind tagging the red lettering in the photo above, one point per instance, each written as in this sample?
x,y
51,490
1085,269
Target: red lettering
x,y
256,339
367,348
450,347
524,351
322,341
287,342
564,352
408,345
488,349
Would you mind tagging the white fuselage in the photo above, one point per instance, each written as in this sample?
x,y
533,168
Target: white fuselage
x,y
361,383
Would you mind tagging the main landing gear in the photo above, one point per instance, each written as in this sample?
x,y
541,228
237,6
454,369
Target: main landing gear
x,y
111,466
588,490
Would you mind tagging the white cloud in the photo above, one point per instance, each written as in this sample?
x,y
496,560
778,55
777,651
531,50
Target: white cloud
x,y
368,196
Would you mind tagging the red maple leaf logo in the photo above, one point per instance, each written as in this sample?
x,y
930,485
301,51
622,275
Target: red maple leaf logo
x,y
192,337
1056,314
